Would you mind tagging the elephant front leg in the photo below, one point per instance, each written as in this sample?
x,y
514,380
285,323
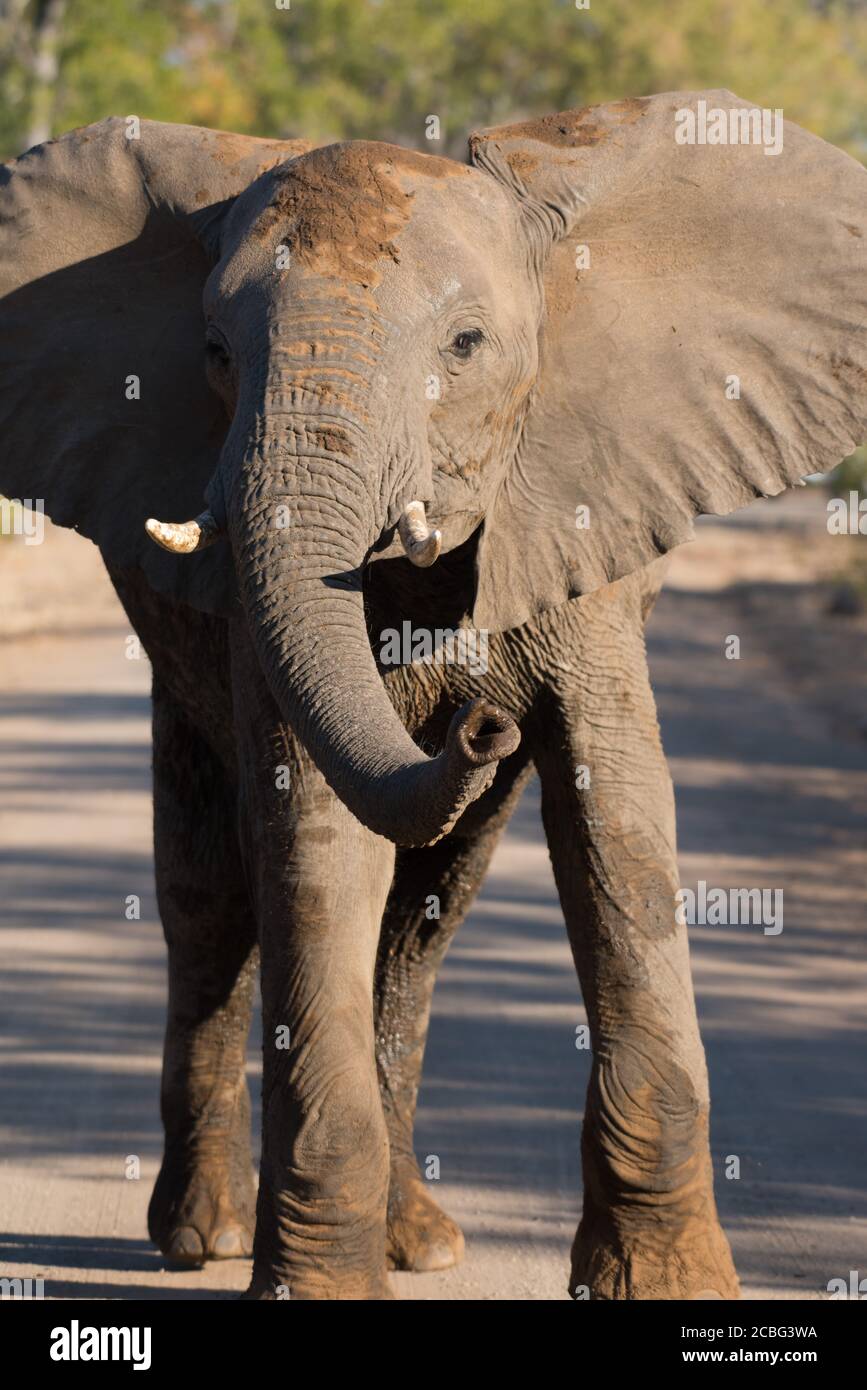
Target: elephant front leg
x,y
432,892
320,881
649,1227
323,1186
203,1202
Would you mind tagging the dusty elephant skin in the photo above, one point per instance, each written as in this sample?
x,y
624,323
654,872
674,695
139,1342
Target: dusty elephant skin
x,y
396,400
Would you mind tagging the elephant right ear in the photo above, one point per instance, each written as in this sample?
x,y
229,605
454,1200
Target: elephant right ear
x,y
703,340
107,236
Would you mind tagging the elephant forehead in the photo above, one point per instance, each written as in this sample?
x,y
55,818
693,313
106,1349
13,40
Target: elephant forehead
x,y
341,209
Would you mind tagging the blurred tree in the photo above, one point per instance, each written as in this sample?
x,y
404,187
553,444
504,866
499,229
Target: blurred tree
x,y
29,44
850,476
378,68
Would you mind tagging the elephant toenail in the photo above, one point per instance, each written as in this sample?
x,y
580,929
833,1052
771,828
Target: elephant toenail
x,y
186,1247
440,1255
231,1244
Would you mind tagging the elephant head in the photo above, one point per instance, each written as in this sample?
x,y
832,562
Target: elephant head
x,y
567,348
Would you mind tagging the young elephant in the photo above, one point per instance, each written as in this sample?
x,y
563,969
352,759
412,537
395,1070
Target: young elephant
x,y
458,398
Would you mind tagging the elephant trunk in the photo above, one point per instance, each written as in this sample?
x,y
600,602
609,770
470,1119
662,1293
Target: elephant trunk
x,y
302,524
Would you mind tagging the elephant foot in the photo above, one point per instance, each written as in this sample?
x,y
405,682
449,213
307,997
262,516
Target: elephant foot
x,y
610,1265
202,1214
421,1237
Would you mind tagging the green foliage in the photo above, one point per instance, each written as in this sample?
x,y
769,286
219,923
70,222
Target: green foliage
x,y
850,476
377,68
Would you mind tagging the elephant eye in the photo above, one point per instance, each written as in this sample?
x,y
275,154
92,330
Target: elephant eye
x,y
465,343
216,349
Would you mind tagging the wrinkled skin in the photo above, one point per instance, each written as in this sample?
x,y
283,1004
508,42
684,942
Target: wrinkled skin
x,y
383,327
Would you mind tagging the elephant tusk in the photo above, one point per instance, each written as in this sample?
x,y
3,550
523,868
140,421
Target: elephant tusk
x,y
422,546
184,537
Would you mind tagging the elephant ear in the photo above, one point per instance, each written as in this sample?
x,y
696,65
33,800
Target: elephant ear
x,y
703,339
105,412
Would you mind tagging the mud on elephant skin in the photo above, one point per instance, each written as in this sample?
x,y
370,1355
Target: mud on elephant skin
x,y
390,393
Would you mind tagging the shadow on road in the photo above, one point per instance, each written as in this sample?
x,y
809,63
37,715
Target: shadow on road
x,y
770,794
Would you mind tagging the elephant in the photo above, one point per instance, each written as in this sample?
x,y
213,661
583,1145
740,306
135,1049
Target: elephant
x,y
438,424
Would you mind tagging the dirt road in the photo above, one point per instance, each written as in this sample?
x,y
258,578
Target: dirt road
x,y
770,762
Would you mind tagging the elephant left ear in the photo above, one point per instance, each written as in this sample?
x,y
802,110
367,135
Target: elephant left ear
x,y
703,339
